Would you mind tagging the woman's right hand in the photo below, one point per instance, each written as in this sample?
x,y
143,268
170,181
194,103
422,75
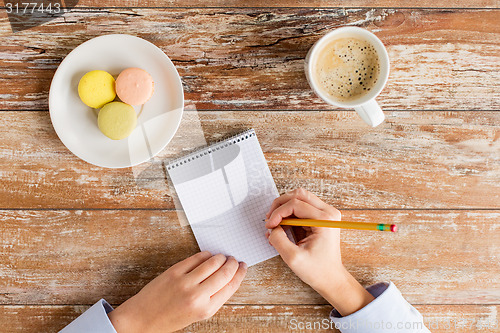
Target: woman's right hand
x,y
315,258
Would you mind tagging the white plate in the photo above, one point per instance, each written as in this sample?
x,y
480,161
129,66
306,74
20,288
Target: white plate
x,y
76,124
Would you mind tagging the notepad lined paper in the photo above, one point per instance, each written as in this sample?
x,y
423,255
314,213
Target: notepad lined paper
x,y
225,190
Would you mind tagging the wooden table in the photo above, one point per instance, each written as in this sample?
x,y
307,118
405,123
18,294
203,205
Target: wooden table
x,y
72,233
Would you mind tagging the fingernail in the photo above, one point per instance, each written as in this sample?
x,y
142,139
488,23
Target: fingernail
x,y
243,265
268,233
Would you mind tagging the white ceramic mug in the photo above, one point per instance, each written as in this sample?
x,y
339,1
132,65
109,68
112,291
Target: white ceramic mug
x,y
365,106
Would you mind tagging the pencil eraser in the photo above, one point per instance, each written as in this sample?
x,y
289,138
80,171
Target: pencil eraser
x,y
394,228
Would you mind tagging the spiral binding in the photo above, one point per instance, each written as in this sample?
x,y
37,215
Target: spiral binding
x,y
221,144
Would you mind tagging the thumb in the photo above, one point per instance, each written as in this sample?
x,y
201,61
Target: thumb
x,y
279,240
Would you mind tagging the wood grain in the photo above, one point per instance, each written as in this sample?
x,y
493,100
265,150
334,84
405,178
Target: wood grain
x,y
72,233
258,318
78,256
413,160
252,58
291,3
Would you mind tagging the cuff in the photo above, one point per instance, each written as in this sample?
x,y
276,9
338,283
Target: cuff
x,y
95,319
388,311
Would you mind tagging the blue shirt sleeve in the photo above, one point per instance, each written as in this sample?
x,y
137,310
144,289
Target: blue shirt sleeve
x,y
95,320
388,312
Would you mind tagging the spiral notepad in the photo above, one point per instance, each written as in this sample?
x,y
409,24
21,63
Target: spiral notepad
x,y
225,190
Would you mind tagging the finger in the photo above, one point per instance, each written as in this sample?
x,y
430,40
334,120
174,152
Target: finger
x,y
188,264
279,240
221,277
207,268
220,297
295,207
300,194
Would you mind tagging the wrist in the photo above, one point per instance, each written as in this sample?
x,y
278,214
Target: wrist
x,y
345,293
124,321
119,321
334,282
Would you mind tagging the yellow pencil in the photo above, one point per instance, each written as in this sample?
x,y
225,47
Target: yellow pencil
x,y
339,224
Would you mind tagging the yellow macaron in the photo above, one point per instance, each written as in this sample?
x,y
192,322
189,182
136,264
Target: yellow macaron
x,y
117,120
97,88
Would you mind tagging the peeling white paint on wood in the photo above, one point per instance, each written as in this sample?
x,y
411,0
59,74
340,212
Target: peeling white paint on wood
x,y
439,60
50,256
423,160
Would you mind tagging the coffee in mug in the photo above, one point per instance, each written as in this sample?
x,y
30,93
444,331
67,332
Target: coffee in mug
x,y
348,67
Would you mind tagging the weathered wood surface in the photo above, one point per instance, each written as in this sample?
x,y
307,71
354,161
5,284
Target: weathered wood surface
x,y
258,318
290,3
252,58
76,257
413,160
73,233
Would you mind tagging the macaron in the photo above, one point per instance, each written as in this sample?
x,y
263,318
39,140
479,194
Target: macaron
x,y
117,120
97,88
134,86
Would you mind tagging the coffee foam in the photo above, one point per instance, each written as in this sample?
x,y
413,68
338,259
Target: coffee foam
x,y
346,68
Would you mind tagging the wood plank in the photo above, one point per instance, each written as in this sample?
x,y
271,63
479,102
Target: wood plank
x,y
77,257
247,59
260,318
414,160
291,3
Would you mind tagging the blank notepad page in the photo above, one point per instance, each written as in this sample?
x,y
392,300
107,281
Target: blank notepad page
x,y
225,190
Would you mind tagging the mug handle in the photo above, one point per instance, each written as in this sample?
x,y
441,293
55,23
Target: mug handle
x,y
371,113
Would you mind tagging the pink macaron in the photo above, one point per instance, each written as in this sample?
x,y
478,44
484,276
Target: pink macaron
x,y
134,86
